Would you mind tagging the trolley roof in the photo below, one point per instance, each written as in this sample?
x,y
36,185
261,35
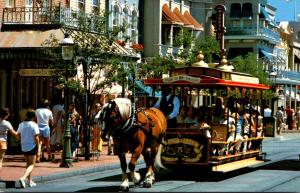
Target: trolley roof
x,y
206,77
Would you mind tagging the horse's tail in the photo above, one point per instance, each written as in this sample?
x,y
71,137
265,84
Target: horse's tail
x,y
157,163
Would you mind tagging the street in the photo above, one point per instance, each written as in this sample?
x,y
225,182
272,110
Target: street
x,y
280,174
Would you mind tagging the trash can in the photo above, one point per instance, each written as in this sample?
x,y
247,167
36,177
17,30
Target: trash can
x,y
269,126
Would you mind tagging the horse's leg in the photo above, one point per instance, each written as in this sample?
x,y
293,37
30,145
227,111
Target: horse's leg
x,y
136,177
149,157
125,182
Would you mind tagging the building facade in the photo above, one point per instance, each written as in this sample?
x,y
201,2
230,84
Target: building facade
x,y
163,21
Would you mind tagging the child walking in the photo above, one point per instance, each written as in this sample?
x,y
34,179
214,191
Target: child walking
x,y
29,132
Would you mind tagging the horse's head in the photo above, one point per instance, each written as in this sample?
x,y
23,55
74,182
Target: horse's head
x,y
114,114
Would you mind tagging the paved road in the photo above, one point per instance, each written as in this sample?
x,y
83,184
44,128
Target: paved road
x,y
280,174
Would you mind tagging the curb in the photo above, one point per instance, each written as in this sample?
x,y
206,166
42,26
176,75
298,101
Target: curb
x,y
51,177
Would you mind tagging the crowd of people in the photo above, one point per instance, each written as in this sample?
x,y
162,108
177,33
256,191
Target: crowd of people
x,y
41,131
287,118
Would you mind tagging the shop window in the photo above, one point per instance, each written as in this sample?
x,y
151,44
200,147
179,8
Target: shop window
x,y
235,10
81,5
134,21
9,3
116,18
165,33
247,23
125,24
247,10
95,7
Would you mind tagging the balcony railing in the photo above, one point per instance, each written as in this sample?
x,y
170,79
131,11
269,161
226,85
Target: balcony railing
x,y
250,31
166,50
53,16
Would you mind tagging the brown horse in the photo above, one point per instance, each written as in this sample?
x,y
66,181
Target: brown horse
x,y
139,134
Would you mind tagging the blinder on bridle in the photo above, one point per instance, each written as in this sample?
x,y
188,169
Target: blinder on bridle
x,y
111,118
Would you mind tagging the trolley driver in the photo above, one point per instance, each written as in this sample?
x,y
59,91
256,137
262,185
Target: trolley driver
x,y
169,104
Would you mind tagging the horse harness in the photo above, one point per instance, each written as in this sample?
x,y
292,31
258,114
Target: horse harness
x,y
132,124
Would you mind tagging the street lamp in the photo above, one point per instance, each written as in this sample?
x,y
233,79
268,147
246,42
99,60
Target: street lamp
x,y
273,75
67,51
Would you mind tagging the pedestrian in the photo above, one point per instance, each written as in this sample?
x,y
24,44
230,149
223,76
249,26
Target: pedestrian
x,y
58,125
73,116
4,127
169,104
44,118
28,131
267,111
298,117
97,140
289,117
279,120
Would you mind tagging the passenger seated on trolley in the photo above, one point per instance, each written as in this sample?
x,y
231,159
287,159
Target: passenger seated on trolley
x,y
192,118
182,115
257,126
218,108
231,127
238,136
203,126
246,129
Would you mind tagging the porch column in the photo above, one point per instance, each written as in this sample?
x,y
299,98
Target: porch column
x,y
285,97
295,105
290,96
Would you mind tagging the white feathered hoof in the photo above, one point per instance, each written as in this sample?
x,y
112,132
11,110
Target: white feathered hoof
x,y
147,185
136,178
123,188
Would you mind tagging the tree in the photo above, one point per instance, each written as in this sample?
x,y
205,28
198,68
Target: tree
x,y
160,65
250,65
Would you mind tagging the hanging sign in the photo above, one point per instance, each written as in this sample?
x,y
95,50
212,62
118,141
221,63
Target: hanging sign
x,y
36,72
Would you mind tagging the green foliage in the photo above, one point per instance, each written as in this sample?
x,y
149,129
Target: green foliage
x,y
94,50
250,65
160,65
184,38
210,48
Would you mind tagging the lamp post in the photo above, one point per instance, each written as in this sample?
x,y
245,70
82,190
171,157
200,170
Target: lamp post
x,y
67,45
273,76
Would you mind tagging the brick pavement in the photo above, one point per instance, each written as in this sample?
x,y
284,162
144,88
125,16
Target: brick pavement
x,y
14,168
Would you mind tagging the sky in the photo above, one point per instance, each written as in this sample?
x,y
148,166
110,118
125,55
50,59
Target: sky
x,y
285,9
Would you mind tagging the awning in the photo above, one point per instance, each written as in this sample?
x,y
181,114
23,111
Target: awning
x,y
36,39
185,21
197,26
266,54
297,53
169,17
267,16
27,39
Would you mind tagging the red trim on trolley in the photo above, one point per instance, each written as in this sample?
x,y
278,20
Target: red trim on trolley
x,y
207,82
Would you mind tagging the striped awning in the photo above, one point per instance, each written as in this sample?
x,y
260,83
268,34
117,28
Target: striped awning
x,y
169,17
197,26
185,21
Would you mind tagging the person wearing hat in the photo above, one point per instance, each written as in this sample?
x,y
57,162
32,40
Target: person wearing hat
x,y
169,104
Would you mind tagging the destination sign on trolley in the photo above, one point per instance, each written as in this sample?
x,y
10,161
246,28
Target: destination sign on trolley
x,y
182,77
245,79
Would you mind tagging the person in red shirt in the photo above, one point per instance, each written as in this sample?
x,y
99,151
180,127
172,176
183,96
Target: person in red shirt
x,y
289,117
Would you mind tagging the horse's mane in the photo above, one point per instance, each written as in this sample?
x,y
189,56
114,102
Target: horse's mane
x,y
124,105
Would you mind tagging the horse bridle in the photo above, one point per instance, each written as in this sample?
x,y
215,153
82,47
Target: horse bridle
x,y
121,126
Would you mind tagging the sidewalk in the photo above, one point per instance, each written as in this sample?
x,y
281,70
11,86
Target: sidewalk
x,y
14,168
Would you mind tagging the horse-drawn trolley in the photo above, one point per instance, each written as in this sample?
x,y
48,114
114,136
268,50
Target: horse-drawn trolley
x,y
220,120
